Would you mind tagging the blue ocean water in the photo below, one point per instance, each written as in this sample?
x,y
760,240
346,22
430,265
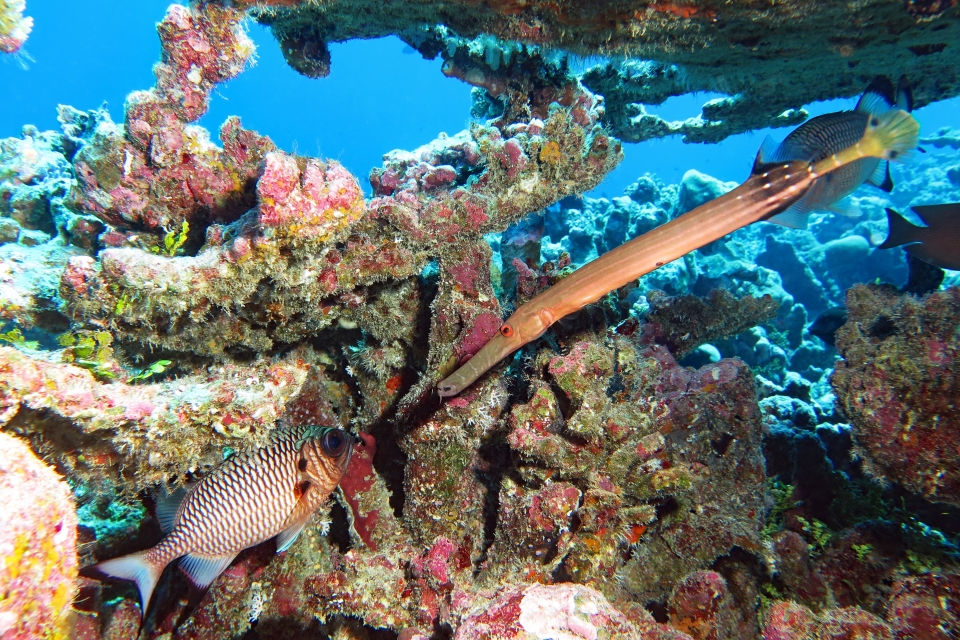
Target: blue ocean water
x,y
379,95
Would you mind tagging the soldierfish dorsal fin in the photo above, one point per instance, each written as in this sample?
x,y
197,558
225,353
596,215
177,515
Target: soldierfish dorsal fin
x,y
879,97
901,231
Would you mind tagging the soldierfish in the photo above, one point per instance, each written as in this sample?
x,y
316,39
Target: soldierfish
x,y
938,243
250,498
825,135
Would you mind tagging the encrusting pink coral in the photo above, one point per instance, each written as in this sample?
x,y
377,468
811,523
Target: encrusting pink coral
x,y
158,170
38,555
14,26
182,424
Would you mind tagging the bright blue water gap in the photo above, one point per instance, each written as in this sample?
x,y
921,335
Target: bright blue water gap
x,y
376,98
80,53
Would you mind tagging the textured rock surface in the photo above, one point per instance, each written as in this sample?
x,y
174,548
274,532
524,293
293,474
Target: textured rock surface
x,y
898,381
758,54
38,555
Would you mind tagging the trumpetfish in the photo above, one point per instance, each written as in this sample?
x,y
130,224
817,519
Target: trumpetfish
x,y
772,188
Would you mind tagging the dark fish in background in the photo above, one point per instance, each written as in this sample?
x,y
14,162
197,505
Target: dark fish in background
x,y
250,498
938,243
822,136
826,324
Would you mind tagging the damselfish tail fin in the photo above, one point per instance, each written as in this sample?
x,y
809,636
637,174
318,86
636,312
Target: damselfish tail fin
x,y
888,136
891,135
133,567
901,231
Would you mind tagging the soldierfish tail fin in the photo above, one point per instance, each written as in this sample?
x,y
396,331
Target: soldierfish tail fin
x,y
133,567
901,231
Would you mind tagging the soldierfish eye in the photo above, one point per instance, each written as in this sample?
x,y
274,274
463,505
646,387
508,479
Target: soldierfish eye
x,y
334,442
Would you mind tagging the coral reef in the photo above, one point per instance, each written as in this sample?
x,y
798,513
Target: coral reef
x,y
14,26
168,301
897,381
38,555
158,170
541,611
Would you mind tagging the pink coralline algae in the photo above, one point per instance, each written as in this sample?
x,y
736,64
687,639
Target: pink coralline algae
x,y
926,606
158,170
656,502
569,611
181,425
899,383
791,621
315,201
38,556
14,26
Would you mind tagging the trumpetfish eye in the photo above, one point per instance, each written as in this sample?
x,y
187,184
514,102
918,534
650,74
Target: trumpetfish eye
x,y
506,331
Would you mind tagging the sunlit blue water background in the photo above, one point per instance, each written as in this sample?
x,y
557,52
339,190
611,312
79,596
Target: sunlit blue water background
x,y
379,95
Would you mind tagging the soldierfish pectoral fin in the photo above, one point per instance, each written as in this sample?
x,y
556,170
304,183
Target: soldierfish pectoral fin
x,y
134,568
167,506
289,535
901,231
203,570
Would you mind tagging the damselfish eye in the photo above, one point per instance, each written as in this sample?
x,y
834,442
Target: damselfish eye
x,y
334,442
506,331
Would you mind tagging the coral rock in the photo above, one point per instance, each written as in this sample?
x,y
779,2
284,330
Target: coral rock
x,y
898,382
568,611
38,556
925,607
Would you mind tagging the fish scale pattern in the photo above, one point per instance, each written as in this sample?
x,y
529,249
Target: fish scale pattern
x,y
220,512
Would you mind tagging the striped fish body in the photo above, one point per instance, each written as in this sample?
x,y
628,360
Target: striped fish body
x,y
828,134
820,138
252,497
